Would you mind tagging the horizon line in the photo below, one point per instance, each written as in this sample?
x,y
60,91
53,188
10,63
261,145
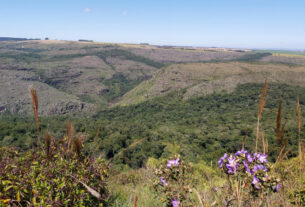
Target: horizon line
x,y
164,45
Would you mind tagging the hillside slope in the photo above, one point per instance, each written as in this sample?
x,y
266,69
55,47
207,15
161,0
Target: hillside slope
x,y
74,77
69,76
199,79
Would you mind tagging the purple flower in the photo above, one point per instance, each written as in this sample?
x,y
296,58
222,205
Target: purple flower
x,y
255,168
220,163
232,165
277,187
259,167
262,158
263,167
173,162
231,160
216,189
255,182
221,160
163,181
241,152
175,202
246,166
249,158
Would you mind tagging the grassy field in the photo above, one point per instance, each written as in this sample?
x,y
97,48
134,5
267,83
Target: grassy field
x,y
284,52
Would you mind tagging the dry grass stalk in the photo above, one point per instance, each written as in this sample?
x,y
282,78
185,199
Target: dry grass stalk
x,y
95,139
265,145
131,146
299,133
90,190
35,110
260,110
262,100
238,192
299,123
278,124
47,143
244,139
303,151
282,152
77,144
70,133
97,133
280,133
199,197
263,141
135,143
136,201
121,153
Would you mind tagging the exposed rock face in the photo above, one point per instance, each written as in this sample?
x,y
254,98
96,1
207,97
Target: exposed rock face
x,y
2,109
68,107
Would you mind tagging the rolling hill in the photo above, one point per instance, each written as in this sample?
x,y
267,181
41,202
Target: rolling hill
x,y
81,76
199,79
73,77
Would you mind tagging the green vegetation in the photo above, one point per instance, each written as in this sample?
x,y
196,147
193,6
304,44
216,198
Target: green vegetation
x,y
253,57
128,56
203,128
199,79
118,85
284,52
58,176
111,53
21,57
174,183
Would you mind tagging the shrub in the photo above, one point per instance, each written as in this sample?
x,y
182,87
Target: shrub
x,y
248,175
58,176
174,183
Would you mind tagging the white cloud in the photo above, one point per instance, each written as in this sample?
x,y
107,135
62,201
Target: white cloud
x,y
87,10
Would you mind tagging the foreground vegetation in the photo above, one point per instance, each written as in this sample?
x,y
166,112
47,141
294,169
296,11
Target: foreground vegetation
x,y
60,172
57,176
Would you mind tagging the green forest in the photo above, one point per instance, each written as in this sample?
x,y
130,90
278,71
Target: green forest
x,y
202,128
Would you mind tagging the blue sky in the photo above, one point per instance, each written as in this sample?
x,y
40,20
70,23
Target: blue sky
x,y
220,23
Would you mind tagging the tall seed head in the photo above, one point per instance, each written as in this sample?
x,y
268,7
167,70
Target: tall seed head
x,y
262,100
35,110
